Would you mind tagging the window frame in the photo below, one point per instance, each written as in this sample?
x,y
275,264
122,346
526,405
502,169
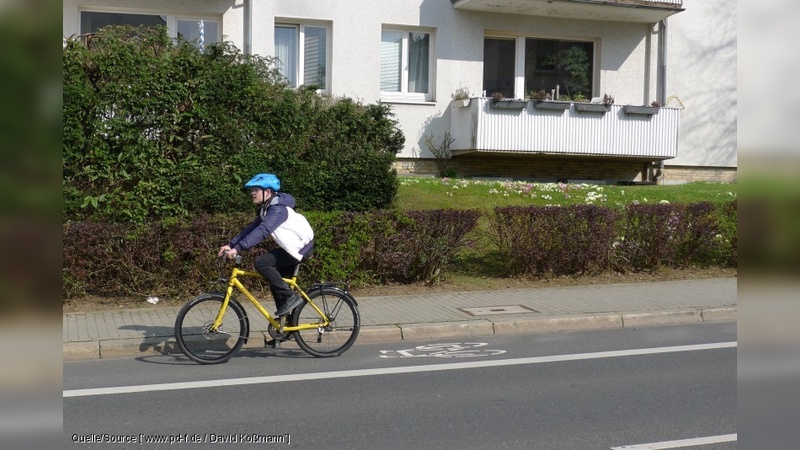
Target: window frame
x,y
404,95
519,58
299,27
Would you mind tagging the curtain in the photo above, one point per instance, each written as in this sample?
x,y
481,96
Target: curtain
x,y
286,52
418,57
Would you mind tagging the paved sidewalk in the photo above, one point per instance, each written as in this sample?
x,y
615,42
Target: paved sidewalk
x,y
149,330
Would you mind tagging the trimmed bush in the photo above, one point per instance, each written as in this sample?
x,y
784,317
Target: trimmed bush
x,y
154,128
173,257
179,258
418,246
554,240
646,241
575,240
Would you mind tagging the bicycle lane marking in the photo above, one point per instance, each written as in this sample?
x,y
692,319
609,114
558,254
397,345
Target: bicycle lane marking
x,y
449,350
694,442
388,370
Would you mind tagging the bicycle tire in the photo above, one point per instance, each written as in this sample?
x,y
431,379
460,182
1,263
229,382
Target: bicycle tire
x,y
193,337
335,339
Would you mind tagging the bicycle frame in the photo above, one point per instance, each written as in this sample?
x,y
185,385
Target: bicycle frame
x,y
234,282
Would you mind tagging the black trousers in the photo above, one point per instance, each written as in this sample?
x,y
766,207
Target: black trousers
x,y
274,266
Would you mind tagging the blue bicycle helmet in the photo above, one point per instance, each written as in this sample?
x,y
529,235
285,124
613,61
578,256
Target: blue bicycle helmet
x,y
264,181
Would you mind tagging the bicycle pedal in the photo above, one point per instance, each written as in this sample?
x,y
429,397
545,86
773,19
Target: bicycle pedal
x,y
274,343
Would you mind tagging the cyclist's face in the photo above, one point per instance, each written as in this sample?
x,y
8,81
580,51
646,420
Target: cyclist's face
x,y
259,195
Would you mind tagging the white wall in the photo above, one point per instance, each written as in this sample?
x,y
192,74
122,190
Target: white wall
x,y
458,49
701,72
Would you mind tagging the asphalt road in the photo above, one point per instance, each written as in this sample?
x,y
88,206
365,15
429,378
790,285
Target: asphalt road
x,y
670,385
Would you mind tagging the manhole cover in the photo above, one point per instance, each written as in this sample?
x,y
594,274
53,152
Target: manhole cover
x,y
490,310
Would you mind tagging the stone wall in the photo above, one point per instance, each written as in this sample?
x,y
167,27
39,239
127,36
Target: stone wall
x,y
549,168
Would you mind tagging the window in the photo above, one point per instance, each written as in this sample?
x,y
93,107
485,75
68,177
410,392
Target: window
x,y
547,63
93,21
199,32
406,65
186,28
568,65
498,66
302,52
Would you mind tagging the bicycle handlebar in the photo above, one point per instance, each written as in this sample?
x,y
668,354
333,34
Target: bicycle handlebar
x,y
223,273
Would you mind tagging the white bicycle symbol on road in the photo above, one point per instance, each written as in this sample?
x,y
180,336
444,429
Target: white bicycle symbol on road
x,y
450,350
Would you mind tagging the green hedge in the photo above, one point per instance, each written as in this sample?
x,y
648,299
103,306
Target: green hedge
x,y
179,258
574,240
154,128
172,257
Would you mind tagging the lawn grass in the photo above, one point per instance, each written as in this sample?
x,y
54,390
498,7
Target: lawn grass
x,y
418,193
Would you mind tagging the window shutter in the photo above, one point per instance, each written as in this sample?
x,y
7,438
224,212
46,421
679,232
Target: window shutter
x,y
391,56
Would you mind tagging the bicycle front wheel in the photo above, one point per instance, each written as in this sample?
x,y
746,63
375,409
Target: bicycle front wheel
x,y
193,329
333,339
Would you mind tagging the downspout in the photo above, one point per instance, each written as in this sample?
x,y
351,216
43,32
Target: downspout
x,y
661,81
248,27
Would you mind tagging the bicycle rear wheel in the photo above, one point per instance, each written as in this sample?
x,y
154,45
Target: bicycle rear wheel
x,y
198,342
334,339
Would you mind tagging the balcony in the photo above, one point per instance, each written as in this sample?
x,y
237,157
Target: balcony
x,y
641,11
641,133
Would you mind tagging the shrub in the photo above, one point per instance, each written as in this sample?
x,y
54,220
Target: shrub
x,y
417,246
551,240
695,237
646,237
154,128
727,242
178,258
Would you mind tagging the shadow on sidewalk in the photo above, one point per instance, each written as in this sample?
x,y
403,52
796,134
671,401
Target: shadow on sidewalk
x,y
155,339
158,341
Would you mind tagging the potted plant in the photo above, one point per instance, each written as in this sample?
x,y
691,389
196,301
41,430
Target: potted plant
x,y
500,102
543,100
460,97
643,110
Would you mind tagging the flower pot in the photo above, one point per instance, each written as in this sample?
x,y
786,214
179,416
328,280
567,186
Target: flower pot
x,y
641,110
591,107
508,104
551,104
460,103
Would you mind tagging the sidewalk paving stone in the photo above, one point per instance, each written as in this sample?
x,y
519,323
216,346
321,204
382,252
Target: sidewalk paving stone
x,y
149,330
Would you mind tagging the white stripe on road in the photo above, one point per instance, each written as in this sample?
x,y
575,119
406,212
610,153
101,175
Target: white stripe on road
x,y
681,443
388,371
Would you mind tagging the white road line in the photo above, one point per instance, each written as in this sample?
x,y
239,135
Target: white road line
x,y
680,443
389,371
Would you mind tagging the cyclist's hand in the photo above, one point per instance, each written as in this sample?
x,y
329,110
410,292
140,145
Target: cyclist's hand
x,y
231,253
223,249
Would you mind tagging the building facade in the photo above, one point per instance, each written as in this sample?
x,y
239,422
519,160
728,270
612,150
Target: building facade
x,y
417,55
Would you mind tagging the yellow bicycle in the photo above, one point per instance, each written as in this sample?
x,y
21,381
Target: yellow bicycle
x,y
325,324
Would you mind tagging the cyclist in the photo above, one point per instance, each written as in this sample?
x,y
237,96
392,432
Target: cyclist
x,y
290,230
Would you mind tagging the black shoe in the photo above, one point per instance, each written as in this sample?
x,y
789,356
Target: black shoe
x,y
288,305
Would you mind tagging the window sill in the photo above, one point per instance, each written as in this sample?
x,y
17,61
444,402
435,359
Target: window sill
x,y
407,102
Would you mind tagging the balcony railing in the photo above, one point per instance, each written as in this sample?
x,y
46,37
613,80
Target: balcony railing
x,y
620,131
643,11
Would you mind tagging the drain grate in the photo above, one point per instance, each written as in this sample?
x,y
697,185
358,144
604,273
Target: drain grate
x,y
491,310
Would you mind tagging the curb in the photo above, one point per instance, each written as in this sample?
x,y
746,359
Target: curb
x,y
375,334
